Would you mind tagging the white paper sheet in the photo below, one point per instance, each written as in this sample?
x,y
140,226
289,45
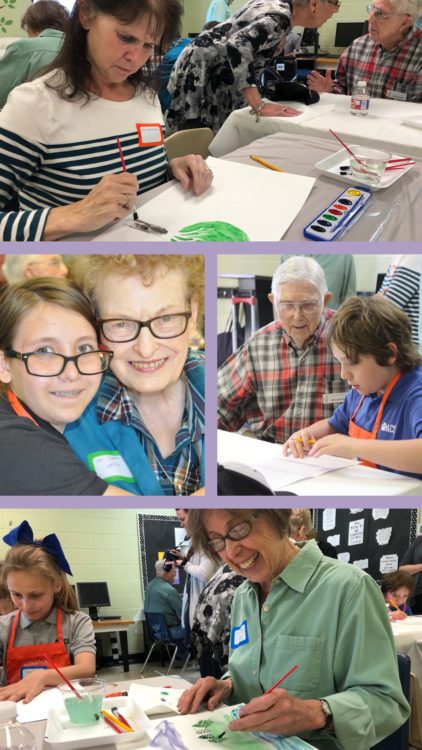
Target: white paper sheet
x,y
356,529
389,563
38,708
280,471
249,204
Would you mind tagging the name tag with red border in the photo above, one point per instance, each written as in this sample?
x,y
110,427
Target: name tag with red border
x,y
150,134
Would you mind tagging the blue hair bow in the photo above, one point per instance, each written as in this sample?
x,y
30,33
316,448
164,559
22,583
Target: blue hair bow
x,y
23,534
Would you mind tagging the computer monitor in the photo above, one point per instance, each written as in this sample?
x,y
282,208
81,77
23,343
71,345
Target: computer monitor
x,y
346,33
93,595
310,38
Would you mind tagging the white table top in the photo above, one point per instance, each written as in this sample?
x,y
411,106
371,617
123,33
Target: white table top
x,y
381,127
352,480
407,636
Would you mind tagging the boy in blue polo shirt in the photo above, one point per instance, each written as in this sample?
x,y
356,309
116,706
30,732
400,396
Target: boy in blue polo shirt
x,y
380,420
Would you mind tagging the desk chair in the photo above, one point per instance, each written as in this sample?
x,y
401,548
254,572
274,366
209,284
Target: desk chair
x,y
159,634
399,740
184,142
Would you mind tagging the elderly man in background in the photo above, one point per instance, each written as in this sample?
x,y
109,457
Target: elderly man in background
x,y
44,23
284,375
17,268
388,58
161,596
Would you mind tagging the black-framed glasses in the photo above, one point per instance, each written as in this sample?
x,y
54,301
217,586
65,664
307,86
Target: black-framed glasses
x,y
49,364
335,3
162,327
235,534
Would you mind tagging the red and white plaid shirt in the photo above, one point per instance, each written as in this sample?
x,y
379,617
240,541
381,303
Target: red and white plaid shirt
x,y
276,387
390,74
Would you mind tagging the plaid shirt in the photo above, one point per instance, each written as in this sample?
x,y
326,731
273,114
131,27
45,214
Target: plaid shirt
x,y
387,72
276,387
180,472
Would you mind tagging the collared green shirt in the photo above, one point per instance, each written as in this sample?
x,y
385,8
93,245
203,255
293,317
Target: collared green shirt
x,y
161,596
329,618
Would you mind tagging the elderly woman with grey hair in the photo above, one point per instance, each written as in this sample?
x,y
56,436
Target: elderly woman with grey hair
x,y
220,70
388,57
17,268
321,621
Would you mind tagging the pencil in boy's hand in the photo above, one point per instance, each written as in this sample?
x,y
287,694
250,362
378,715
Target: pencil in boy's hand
x,y
300,440
285,676
393,604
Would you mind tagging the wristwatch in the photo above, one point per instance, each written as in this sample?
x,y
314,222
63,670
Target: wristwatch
x,y
328,726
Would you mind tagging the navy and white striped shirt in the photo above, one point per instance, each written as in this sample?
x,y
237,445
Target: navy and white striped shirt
x,y
53,152
401,285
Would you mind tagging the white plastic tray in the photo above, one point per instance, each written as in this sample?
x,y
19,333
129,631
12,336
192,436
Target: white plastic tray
x,y
61,733
330,166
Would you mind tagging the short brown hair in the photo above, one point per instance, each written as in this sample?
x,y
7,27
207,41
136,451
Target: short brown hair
x,y
31,559
302,517
393,581
90,270
366,325
45,14
19,299
278,520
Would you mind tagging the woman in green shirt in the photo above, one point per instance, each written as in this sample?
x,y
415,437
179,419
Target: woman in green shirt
x,y
298,607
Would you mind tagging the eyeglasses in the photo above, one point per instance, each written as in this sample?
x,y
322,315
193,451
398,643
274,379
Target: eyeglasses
x,y
162,327
378,13
333,2
49,364
306,306
236,533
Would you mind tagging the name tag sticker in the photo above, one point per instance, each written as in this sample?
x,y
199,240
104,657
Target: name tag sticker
x,y
150,134
239,636
400,95
27,670
110,466
333,398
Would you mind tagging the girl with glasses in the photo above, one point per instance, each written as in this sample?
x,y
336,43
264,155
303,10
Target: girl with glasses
x,y
50,368
145,429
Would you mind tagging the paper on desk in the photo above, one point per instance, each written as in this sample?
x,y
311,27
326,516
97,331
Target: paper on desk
x,y
244,203
280,471
156,700
39,707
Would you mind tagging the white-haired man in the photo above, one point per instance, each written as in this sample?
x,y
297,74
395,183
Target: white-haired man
x,y
17,268
388,58
284,374
161,596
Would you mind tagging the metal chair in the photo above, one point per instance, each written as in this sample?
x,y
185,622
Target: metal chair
x,y
159,634
193,141
399,740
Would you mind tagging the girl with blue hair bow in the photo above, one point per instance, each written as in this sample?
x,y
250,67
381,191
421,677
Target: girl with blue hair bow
x,y
47,623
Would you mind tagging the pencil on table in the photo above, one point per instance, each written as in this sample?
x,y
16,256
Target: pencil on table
x,y
265,163
116,721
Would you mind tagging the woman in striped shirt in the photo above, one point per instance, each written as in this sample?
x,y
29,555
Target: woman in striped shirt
x,y
80,143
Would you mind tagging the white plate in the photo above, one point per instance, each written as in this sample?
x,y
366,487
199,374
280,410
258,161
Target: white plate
x,y
331,167
413,122
61,733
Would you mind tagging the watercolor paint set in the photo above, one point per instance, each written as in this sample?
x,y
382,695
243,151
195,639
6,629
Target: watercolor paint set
x,y
339,216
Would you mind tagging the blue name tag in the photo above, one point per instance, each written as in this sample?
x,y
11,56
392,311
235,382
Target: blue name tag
x,y
239,636
27,670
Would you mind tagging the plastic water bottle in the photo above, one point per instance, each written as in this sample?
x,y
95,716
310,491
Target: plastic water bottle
x,y
359,103
14,736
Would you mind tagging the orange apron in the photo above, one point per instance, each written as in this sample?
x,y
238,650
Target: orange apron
x,y
360,432
17,406
20,660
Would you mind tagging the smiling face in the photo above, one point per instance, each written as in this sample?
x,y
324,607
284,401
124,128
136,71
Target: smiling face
x,y
260,556
147,365
117,50
58,399
388,30
366,375
297,323
32,593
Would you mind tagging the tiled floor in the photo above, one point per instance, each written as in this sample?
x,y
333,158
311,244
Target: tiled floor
x,y
116,674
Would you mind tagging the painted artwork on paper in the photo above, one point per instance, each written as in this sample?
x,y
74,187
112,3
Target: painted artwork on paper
x,y
244,203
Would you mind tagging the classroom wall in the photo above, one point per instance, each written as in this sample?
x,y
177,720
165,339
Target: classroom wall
x,y
351,10
99,545
367,268
10,17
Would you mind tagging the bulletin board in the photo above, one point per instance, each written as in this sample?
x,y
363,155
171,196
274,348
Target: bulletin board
x,y
373,539
155,535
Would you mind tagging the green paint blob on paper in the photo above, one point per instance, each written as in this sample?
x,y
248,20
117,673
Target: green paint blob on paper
x,y
212,731
210,231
